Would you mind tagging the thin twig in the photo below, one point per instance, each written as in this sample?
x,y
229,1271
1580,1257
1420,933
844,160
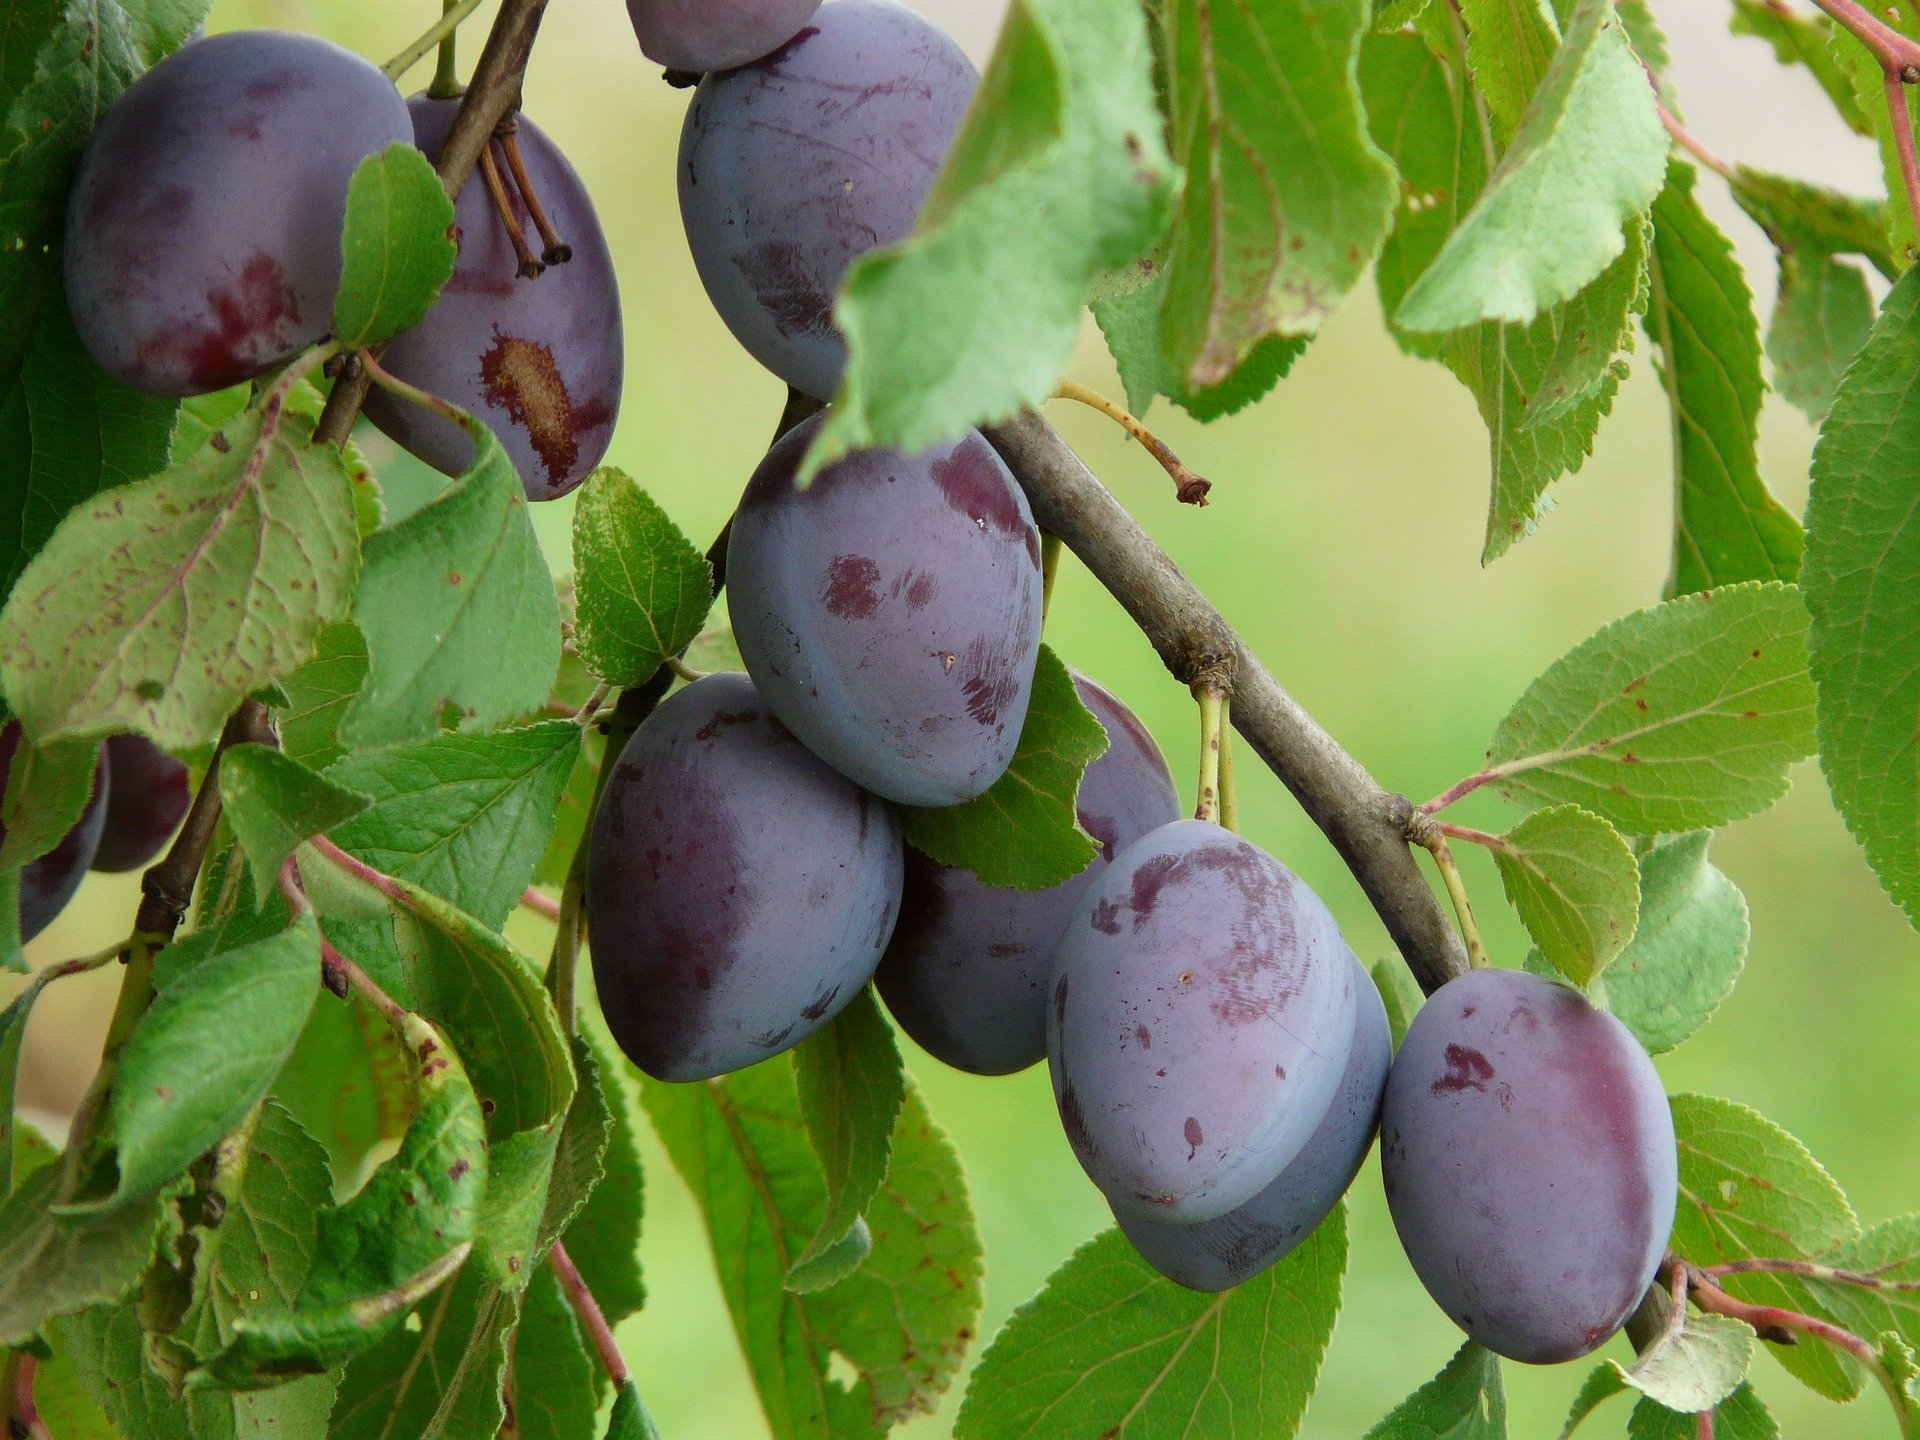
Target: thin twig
x,y
540,903
1691,143
1364,822
1896,88
531,265
1807,1268
590,707
1894,51
441,29
1190,487
556,251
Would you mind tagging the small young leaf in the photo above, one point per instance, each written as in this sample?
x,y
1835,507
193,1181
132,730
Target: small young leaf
x,y
1748,1188
1023,833
1688,949
318,694
1741,1416
976,313
1284,203
1573,880
464,816
643,589
1679,717
1696,1368
902,1319
1728,527
1108,1347
396,1241
1801,37
1465,1401
159,606
851,1086
53,1265
177,1092
85,433
1588,156
458,610
1862,581
1401,995
630,1420
397,249
275,805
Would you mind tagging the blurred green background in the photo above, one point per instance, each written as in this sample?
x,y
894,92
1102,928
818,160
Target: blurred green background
x,y
1343,538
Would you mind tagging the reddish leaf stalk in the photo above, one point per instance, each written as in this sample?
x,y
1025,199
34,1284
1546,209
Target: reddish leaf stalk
x,y
1808,1268
541,903
588,1311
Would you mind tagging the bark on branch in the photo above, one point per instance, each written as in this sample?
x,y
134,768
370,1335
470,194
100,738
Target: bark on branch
x,y
1367,824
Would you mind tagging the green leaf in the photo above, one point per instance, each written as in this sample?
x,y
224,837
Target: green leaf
x,y
1465,1401
1603,1382
1285,203
1510,49
643,589
603,1236
1573,880
629,1420
574,809
53,1265
1741,1416
1589,154
1688,949
349,1085
1799,37
66,1409
444,1379
275,805
1542,389
1683,716
84,433
176,1094
159,606
1728,527
902,1320
1400,994
47,790
397,249
1110,1348
1748,1188
1890,1253
1863,70
458,610
1821,320
1694,1368
1863,588
398,1239
1797,214
13,1031
1023,833
318,694
851,1086
555,1376
466,817
976,314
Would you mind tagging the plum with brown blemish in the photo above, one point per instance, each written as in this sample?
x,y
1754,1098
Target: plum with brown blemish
x,y
203,229
966,974
794,166
1528,1154
739,891
1238,977
48,883
695,36
1220,1254
890,612
145,805
539,359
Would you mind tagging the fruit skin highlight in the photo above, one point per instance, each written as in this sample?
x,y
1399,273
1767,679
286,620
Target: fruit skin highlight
x,y
739,891
203,229
1201,1016
890,612
793,167
696,36
1529,1159
1219,1254
967,973
540,360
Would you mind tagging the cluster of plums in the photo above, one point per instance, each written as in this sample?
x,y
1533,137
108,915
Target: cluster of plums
x,y
140,795
1221,1060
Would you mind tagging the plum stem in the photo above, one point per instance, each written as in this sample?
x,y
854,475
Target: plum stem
x,y
1190,487
540,903
438,35
1229,791
1213,714
557,251
1366,823
684,671
493,90
1433,836
531,266
590,708
1771,1320
413,394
